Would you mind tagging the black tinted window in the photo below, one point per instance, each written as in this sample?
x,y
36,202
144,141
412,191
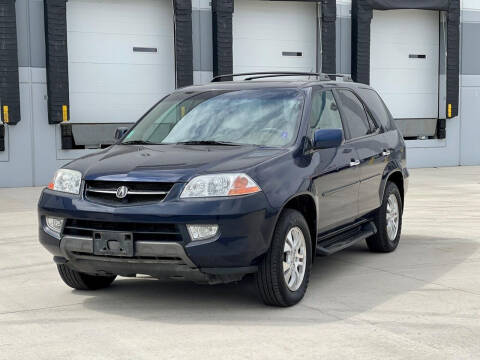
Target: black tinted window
x,y
376,106
354,113
324,114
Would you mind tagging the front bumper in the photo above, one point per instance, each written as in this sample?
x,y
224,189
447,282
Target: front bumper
x,y
245,228
161,260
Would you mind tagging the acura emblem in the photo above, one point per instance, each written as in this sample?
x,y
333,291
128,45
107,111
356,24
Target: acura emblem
x,y
122,191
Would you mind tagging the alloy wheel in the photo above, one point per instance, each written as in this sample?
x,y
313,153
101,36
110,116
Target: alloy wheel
x,y
294,258
393,217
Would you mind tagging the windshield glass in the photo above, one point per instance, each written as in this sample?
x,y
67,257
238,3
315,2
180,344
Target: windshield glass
x,y
268,117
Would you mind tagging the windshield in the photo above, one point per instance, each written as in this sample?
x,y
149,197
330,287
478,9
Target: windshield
x,y
256,117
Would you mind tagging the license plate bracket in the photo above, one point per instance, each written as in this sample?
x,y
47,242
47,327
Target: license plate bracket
x,y
113,243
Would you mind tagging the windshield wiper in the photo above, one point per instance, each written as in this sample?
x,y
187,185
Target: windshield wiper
x,y
207,142
139,142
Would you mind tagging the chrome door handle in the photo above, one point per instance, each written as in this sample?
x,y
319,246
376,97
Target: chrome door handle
x,y
386,153
354,162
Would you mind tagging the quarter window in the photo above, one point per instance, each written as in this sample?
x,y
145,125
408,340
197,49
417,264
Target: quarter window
x,y
354,114
324,113
377,107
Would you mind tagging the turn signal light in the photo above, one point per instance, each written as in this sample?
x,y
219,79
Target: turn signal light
x,y
242,186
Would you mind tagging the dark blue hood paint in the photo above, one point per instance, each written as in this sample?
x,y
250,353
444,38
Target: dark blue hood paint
x,y
170,163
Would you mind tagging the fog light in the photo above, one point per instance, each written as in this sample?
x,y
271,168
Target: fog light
x,y
55,224
202,232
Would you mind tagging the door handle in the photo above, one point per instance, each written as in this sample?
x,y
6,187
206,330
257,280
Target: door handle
x,y
354,162
386,153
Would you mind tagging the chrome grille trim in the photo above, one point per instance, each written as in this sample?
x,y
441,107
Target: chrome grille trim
x,y
105,192
130,192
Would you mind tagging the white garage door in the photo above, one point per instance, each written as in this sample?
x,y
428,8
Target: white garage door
x,y
110,81
404,61
274,36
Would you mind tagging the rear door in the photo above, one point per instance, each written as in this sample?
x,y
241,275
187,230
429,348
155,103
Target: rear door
x,y
368,141
335,180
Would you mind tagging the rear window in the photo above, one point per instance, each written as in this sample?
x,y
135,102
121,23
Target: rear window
x,y
376,107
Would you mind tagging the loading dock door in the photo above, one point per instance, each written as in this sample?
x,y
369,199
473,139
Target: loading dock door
x,y
274,36
404,50
120,58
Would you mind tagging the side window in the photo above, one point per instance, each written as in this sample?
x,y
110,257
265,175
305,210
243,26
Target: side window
x,y
355,115
377,107
324,113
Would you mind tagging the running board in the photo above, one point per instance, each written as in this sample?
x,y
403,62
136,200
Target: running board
x,y
342,240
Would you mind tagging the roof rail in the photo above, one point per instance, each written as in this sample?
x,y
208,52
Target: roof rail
x,y
267,74
344,77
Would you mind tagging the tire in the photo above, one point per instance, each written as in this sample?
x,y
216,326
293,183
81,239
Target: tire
x,y
270,280
382,241
81,281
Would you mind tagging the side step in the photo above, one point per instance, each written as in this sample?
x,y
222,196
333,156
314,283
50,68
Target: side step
x,y
343,240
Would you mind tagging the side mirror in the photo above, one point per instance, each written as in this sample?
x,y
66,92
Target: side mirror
x,y
120,131
327,138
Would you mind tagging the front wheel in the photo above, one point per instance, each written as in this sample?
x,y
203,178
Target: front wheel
x,y
388,221
283,275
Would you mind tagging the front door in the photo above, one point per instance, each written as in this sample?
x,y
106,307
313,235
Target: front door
x,y
336,179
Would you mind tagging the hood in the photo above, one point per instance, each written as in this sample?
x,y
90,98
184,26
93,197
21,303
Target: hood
x,y
169,163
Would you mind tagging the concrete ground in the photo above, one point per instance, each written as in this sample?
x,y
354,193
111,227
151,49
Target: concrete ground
x,y
422,301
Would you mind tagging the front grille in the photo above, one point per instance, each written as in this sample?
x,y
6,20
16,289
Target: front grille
x,y
105,192
140,231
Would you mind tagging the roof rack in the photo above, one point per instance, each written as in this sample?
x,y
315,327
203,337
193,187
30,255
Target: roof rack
x,y
344,77
267,74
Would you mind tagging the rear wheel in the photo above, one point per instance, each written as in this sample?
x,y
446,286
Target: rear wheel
x,y
82,281
283,275
388,221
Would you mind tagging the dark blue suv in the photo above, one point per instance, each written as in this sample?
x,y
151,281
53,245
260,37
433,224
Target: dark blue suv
x,y
232,178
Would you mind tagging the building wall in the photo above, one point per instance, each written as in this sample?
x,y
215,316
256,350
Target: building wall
x,y
344,37
33,149
470,84
202,41
461,145
31,157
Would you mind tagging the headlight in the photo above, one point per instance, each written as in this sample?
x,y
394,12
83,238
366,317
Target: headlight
x,y
66,180
220,185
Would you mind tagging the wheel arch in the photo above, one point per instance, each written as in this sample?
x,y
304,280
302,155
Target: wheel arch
x,y
397,178
306,205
